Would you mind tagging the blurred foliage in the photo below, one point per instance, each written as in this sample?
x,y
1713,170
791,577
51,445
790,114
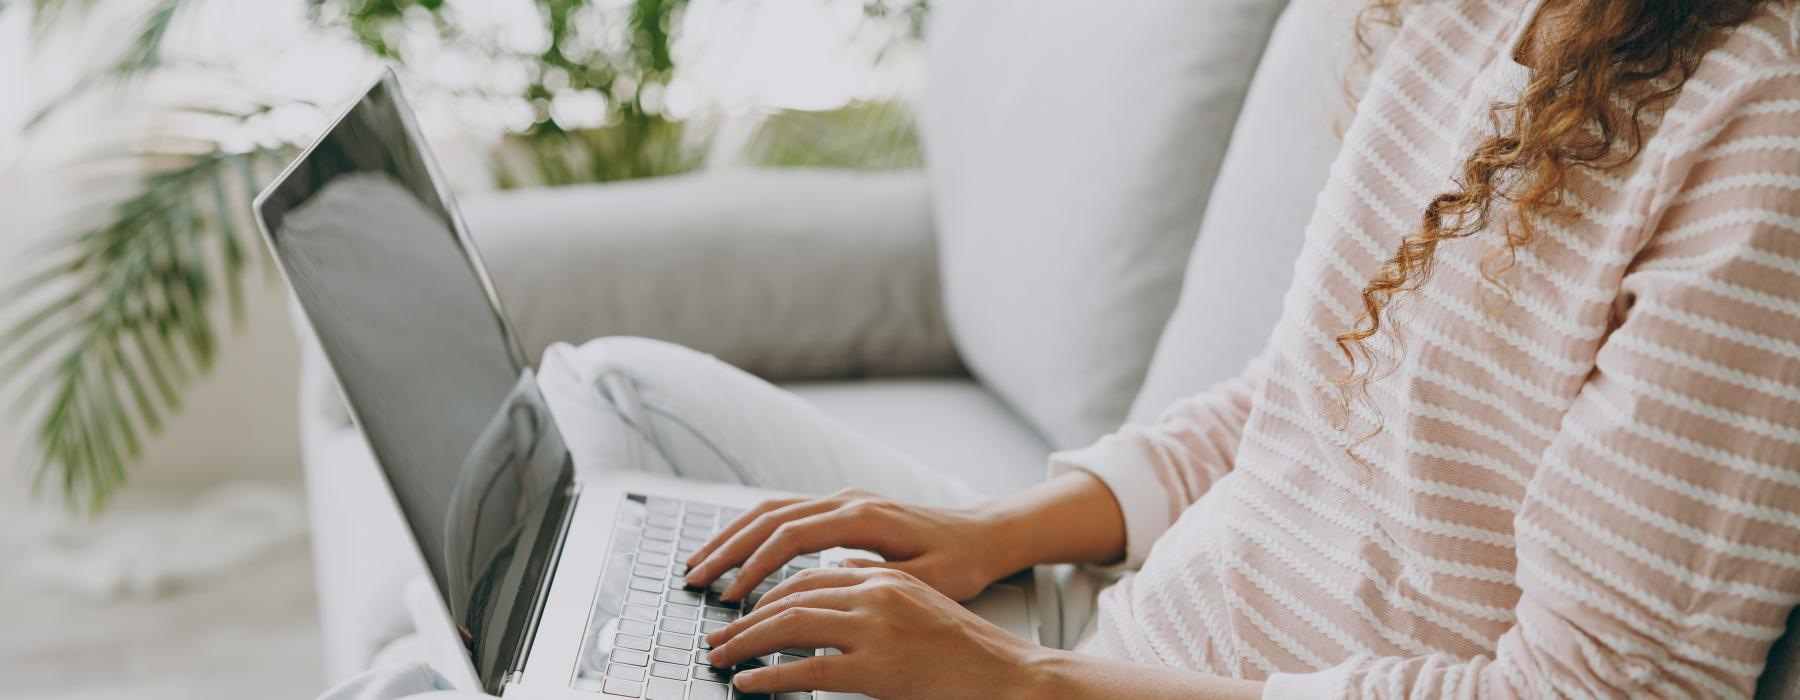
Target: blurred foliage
x,y
132,323
583,55
866,136
112,323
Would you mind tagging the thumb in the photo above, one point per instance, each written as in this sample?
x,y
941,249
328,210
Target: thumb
x,y
907,566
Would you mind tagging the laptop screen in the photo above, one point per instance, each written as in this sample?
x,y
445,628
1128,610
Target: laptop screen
x,y
425,357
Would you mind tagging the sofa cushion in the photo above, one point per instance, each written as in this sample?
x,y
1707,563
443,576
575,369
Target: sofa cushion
x,y
1280,154
1070,148
952,425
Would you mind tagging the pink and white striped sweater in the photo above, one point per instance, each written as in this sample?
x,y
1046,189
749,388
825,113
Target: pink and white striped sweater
x,y
1557,505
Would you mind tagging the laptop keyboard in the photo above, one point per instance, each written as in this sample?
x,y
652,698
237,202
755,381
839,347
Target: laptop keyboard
x,y
646,635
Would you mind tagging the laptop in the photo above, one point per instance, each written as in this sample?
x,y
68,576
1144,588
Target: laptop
x,y
548,576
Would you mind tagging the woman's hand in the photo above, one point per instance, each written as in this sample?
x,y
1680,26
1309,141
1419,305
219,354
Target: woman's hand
x,y
956,551
898,638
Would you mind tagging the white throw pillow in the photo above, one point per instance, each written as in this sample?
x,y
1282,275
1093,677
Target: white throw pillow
x,y
1280,155
1070,147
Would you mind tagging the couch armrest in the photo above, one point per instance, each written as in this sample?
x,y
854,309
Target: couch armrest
x,y
790,274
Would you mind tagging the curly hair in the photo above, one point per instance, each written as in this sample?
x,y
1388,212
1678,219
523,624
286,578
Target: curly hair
x,y
1598,67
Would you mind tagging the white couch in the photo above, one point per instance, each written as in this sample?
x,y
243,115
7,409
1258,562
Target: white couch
x,y
1038,285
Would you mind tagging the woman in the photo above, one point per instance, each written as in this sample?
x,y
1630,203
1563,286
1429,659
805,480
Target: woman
x,y
1528,426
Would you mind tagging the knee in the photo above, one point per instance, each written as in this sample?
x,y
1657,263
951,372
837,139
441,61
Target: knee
x,y
645,360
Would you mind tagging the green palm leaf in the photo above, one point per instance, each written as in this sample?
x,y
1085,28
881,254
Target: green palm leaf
x,y
133,324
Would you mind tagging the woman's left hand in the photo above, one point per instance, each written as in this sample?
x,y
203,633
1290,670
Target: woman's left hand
x,y
899,638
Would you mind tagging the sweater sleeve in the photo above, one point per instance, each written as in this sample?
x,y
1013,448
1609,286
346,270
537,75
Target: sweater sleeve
x,y
1159,469
1658,546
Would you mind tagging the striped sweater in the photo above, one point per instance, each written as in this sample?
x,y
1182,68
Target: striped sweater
x,y
1590,486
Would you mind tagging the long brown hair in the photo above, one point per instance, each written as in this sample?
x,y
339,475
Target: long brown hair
x,y
1594,73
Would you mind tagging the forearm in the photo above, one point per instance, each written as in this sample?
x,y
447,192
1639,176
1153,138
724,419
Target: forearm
x,y
1064,674
1071,519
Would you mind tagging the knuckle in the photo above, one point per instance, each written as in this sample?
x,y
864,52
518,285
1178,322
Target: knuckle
x,y
788,615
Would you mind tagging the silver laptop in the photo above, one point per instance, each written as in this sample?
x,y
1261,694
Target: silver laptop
x,y
548,578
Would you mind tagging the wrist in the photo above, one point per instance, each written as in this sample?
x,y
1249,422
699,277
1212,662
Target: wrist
x,y
1007,537
1045,672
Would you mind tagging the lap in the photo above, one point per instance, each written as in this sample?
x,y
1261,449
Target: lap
x,y
635,403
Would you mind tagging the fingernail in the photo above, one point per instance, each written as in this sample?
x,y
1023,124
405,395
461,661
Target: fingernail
x,y
712,657
743,679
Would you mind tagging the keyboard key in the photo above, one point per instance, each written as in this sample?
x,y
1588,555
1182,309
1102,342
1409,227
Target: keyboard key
x,y
630,657
704,672
654,559
665,689
798,652
707,691
721,614
808,561
670,624
630,673
648,571
678,569
702,643
663,534
704,519
637,627
650,585
620,686
632,641
639,612
699,532
787,659
701,508
669,671
637,597
666,506
694,543
711,626
679,611
625,542
684,597
791,696
684,553
661,520
657,547
671,656
713,599
678,641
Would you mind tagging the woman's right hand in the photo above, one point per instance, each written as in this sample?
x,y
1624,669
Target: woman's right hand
x,y
957,551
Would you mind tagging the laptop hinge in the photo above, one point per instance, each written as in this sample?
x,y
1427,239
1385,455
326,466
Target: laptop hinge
x,y
540,597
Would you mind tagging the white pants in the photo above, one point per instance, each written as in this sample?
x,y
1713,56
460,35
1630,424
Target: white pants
x,y
634,403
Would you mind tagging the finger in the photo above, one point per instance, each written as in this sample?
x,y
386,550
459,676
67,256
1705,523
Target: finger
x,y
828,672
805,628
737,524
845,527
742,544
842,599
812,580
